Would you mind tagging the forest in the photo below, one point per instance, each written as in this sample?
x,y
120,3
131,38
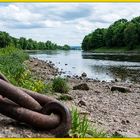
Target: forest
x,y
28,44
122,34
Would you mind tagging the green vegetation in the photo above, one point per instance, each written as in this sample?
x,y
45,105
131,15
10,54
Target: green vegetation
x,y
60,85
65,97
11,65
122,34
116,135
109,50
28,44
81,127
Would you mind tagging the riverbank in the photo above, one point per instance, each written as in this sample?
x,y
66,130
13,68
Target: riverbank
x,y
113,55
115,50
113,111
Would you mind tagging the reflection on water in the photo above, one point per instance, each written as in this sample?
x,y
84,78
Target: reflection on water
x,y
74,63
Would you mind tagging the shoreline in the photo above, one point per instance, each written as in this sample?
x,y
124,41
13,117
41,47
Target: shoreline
x,y
113,111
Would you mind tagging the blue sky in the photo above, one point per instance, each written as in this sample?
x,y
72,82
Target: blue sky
x,y
62,23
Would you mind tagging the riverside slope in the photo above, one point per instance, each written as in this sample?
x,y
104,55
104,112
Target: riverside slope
x,y
114,112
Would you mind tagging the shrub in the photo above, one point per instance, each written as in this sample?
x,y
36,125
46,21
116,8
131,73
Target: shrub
x,y
60,85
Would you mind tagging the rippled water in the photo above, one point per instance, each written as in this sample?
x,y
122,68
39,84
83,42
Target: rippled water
x,y
73,62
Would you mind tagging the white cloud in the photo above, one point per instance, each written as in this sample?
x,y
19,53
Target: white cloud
x,y
62,22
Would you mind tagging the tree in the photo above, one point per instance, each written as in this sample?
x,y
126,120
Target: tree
x,y
114,36
98,38
86,44
5,39
131,35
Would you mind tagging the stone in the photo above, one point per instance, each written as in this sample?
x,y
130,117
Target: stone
x,y
31,60
84,112
81,102
117,80
125,122
35,64
84,74
82,86
120,88
68,76
112,81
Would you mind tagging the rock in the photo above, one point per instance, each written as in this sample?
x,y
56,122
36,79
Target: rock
x,y
84,112
35,64
82,86
112,81
126,134
66,64
84,74
31,60
81,78
120,88
76,76
81,102
117,80
68,76
97,91
124,122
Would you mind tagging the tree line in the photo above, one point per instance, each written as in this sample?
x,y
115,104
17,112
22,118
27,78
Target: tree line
x,y
28,44
122,33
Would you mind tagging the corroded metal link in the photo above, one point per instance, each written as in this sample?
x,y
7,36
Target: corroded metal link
x,y
18,96
58,108
33,118
33,108
51,105
42,99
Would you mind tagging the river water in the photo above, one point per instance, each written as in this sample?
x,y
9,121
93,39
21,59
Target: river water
x,y
75,62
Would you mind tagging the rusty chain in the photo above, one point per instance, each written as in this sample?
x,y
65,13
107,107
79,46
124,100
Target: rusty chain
x,y
37,110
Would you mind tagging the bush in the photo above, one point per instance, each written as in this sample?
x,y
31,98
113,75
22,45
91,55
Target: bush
x,y
81,127
60,85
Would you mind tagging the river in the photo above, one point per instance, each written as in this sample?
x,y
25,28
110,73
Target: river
x,y
75,62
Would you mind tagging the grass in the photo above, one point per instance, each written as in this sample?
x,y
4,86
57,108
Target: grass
x,y
12,66
60,85
115,50
81,127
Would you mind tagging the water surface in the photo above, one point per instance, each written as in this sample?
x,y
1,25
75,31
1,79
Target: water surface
x,y
74,62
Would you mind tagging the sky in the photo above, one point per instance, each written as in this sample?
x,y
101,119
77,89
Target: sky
x,y
62,23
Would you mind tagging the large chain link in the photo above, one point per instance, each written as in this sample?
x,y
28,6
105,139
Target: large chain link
x,y
37,110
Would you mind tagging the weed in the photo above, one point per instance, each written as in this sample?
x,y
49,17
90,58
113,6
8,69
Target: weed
x,y
60,85
81,127
65,97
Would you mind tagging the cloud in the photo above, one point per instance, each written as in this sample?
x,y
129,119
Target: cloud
x,y
62,22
